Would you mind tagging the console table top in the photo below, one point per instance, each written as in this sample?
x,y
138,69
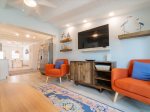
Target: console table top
x,y
96,61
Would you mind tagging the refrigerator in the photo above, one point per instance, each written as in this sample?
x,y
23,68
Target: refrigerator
x,y
45,55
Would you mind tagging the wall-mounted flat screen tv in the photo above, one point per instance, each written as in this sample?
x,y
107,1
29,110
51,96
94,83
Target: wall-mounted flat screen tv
x,y
96,37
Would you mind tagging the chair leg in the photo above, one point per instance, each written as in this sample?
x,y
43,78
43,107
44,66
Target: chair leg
x,y
67,77
115,98
60,80
47,79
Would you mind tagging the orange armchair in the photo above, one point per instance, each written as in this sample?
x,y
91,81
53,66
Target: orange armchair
x,y
50,70
123,83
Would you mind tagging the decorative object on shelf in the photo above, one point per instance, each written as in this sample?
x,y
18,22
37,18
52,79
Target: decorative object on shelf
x,y
65,47
63,35
65,38
89,60
62,46
108,57
102,67
124,23
141,24
68,35
131,24
65,42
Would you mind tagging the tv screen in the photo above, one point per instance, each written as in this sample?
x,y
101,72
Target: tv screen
x,y
96,37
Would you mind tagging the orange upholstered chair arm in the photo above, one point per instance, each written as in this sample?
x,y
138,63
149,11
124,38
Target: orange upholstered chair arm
x,y
64,69
48,67
118,73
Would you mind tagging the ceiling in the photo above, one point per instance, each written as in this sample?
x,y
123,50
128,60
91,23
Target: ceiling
x,y
12,34
74,11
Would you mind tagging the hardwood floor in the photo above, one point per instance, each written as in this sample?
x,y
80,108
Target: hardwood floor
x,y
34,79
124,103
17,95
23,98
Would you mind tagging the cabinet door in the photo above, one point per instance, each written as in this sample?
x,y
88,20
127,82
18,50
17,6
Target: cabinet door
x,y
74,71
86,69
79,73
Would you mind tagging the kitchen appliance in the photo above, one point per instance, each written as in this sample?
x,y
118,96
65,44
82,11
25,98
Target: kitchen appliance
x,y
45,55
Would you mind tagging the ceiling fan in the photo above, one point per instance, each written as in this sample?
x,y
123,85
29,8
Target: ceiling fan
x,y
34,3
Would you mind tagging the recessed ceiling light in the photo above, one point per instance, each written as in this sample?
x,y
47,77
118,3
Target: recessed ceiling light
x,y
9,42
27,35
17,34
67,25
34,37
84,21
95,35
30,3
111,14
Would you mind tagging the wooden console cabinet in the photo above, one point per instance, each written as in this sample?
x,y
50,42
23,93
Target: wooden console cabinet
x,y
85,73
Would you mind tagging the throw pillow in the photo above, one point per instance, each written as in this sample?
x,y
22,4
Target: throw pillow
x,y
58,64
141,71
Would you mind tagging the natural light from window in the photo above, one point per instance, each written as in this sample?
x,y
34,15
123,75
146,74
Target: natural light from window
x,y
15,55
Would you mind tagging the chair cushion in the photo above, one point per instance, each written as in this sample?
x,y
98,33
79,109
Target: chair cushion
x,y
54,72
141,71
139,87
58,64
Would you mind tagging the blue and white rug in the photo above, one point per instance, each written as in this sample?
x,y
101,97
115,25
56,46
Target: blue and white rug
x,y
69,101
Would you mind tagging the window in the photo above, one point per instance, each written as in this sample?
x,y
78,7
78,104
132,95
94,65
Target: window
x,y
15,55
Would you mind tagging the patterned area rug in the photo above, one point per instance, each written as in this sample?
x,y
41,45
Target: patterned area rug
x,y
68,101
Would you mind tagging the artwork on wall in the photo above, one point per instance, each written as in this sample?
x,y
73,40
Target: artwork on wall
x,y
132,24
26,51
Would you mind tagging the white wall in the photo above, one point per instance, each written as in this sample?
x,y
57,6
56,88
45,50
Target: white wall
x,y
121,50
15,17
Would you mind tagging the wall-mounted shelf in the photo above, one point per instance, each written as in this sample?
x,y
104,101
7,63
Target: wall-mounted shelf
x,y
65,50
135,34
65,40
